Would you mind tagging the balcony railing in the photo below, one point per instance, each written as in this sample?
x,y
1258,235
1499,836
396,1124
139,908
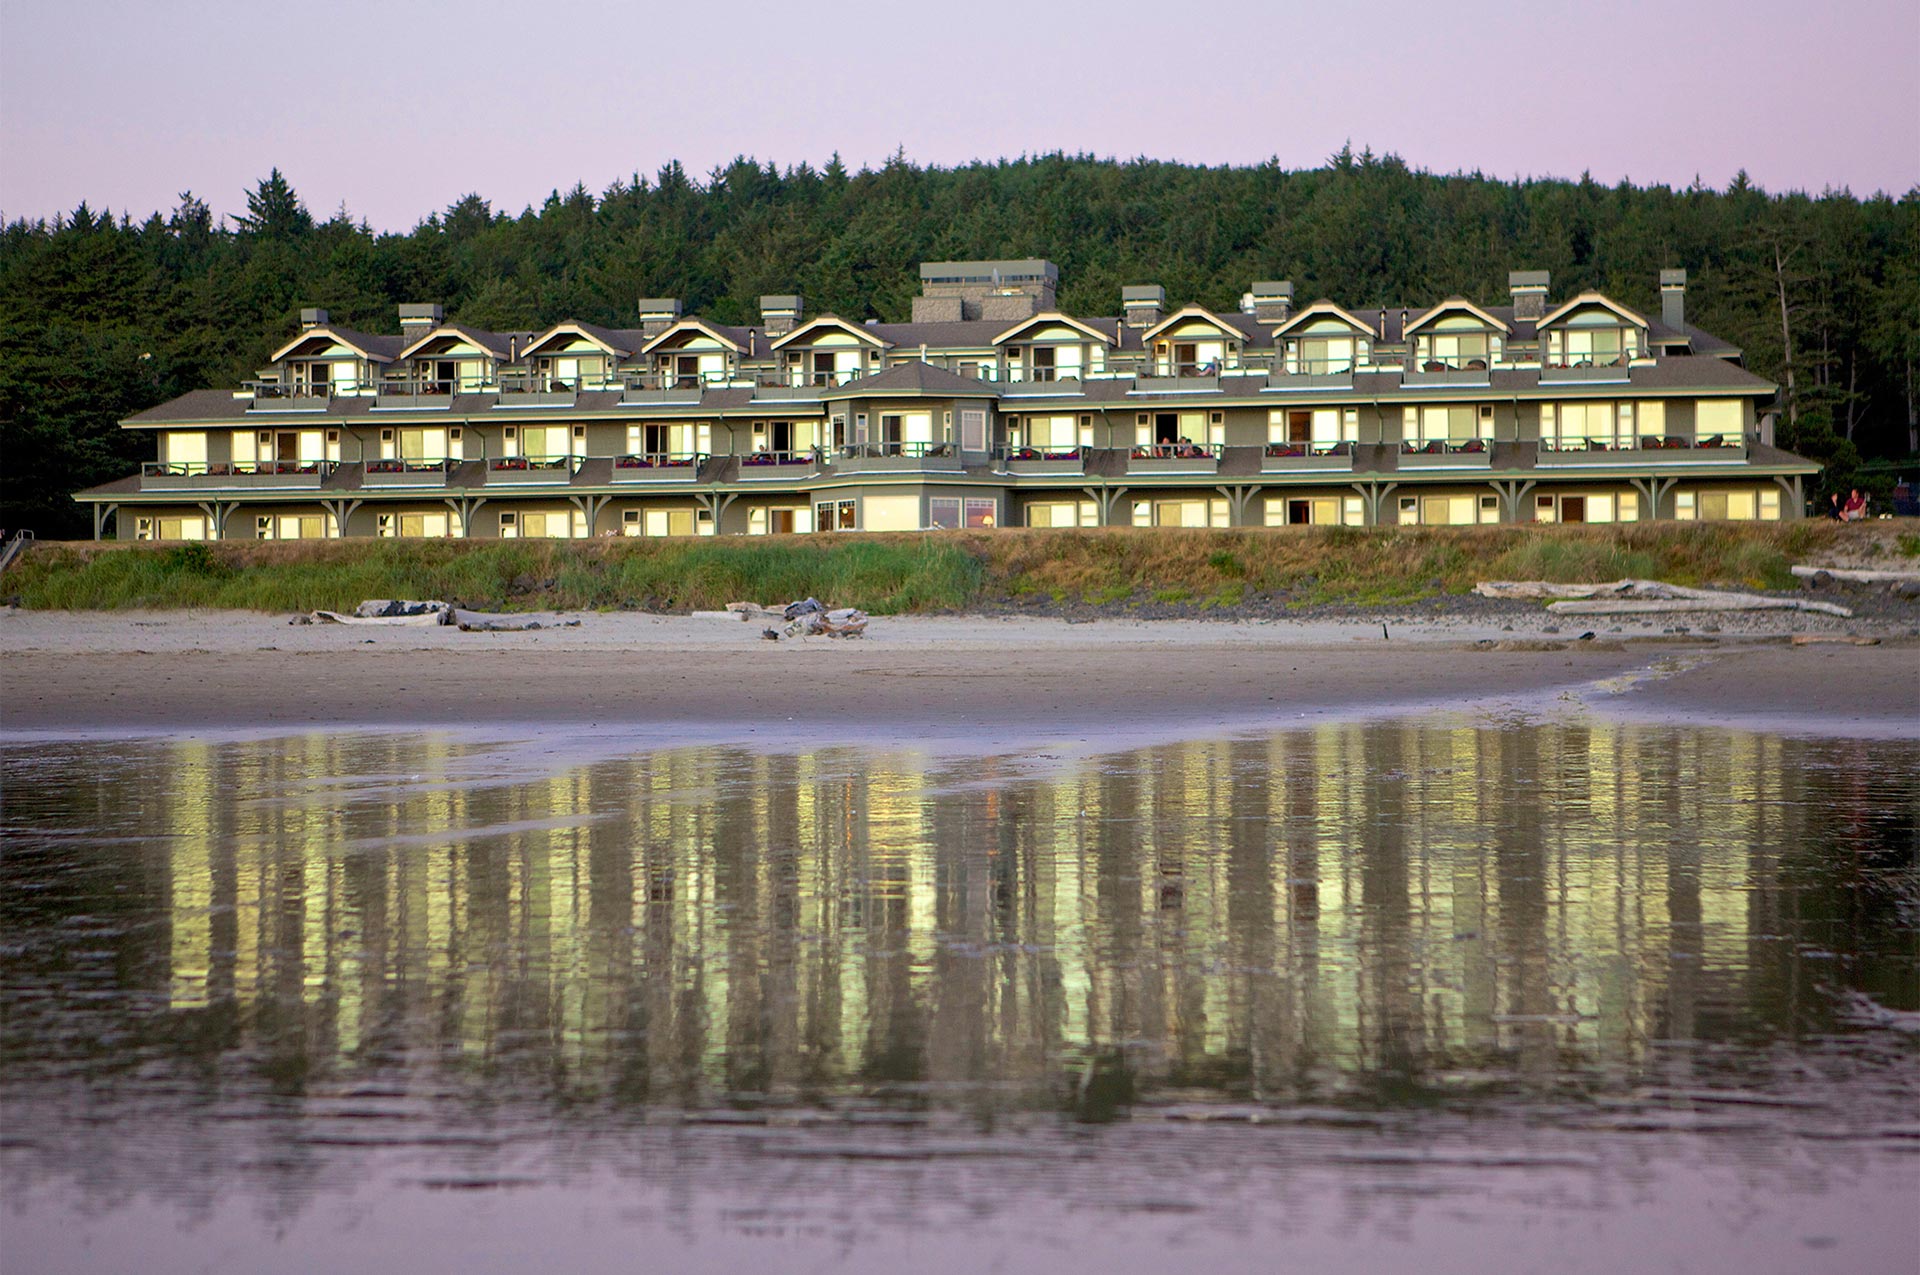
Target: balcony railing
x,y
1447,453
1190,383
406,472
528,389
1574,368
1041,460
1175,458
798,378
422,394
657,467
767,466
1647,448
274,396
1292,457
880,457
1447,371
532,469
1451,363
1052,386
163,475
1312,374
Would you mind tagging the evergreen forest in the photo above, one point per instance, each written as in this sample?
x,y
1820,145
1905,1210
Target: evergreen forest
x,y
103,313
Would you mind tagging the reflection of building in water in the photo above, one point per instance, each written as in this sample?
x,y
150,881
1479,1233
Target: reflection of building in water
x,y
1263,916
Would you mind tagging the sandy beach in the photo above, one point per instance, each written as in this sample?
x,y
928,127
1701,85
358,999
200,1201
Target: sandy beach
x,y
998,679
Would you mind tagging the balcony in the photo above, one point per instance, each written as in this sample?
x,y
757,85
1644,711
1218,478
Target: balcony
x,y
1048,386
1311,374
664,388
1307,458
1039,461
531,471
771,467
657,467
1442,373
409,472
537,391
1177,383
1459,453
796,385
1174,458
415,395
1578,453
266,475
272,396
1584,371
898,458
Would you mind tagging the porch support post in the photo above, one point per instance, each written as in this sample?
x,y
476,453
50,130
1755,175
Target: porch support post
x,y
1512,491
1108,498
1792,491
1374,493
716,503
590,505
1237,497
217,512
1656,491
466,507
101,512
341,510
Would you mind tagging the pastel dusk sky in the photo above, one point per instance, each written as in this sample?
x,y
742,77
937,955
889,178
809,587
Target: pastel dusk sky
x,y
396,110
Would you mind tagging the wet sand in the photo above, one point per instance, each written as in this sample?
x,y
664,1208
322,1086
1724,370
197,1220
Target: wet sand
x,y
948,677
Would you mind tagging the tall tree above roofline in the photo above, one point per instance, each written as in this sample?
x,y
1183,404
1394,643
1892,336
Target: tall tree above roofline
x,y
274,211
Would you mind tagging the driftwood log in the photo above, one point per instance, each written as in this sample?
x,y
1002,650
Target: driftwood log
x,y
1853,575
1646,597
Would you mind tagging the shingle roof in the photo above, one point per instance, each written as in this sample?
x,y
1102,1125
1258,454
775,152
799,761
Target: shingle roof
x,y
914,378
379,343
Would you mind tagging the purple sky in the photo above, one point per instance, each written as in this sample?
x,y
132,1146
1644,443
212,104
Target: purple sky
x,y
397,109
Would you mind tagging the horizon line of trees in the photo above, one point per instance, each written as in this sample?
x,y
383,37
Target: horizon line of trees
x,y
103,317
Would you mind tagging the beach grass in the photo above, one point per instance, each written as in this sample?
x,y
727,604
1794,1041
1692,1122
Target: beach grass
x,y
943,572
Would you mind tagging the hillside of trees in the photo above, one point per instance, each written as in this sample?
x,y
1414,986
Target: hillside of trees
x,y
103,314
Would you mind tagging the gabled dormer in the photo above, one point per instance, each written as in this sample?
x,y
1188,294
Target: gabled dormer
x,y
576,356
692,353
452,358
1193,341
1456,335
1052,346
1590,331
828,351
326,360
1323,339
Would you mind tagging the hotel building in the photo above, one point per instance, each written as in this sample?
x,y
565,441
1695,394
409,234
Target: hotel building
x,y
991,408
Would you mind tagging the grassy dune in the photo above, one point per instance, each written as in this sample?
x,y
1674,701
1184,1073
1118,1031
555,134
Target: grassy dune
x,y
905,573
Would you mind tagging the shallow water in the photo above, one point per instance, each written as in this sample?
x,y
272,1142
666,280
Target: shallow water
x,y
1437,995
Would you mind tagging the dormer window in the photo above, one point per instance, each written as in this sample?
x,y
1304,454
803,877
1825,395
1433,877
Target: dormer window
x,y
1326,355
1437,351
1592,346
571,372
1591,331
315,377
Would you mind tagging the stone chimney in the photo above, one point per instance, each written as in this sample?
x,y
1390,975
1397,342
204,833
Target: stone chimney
x,y
1272,300
657,314
1143,304
780,315
418,320
1529,288
312,319
1003,291
1673,299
